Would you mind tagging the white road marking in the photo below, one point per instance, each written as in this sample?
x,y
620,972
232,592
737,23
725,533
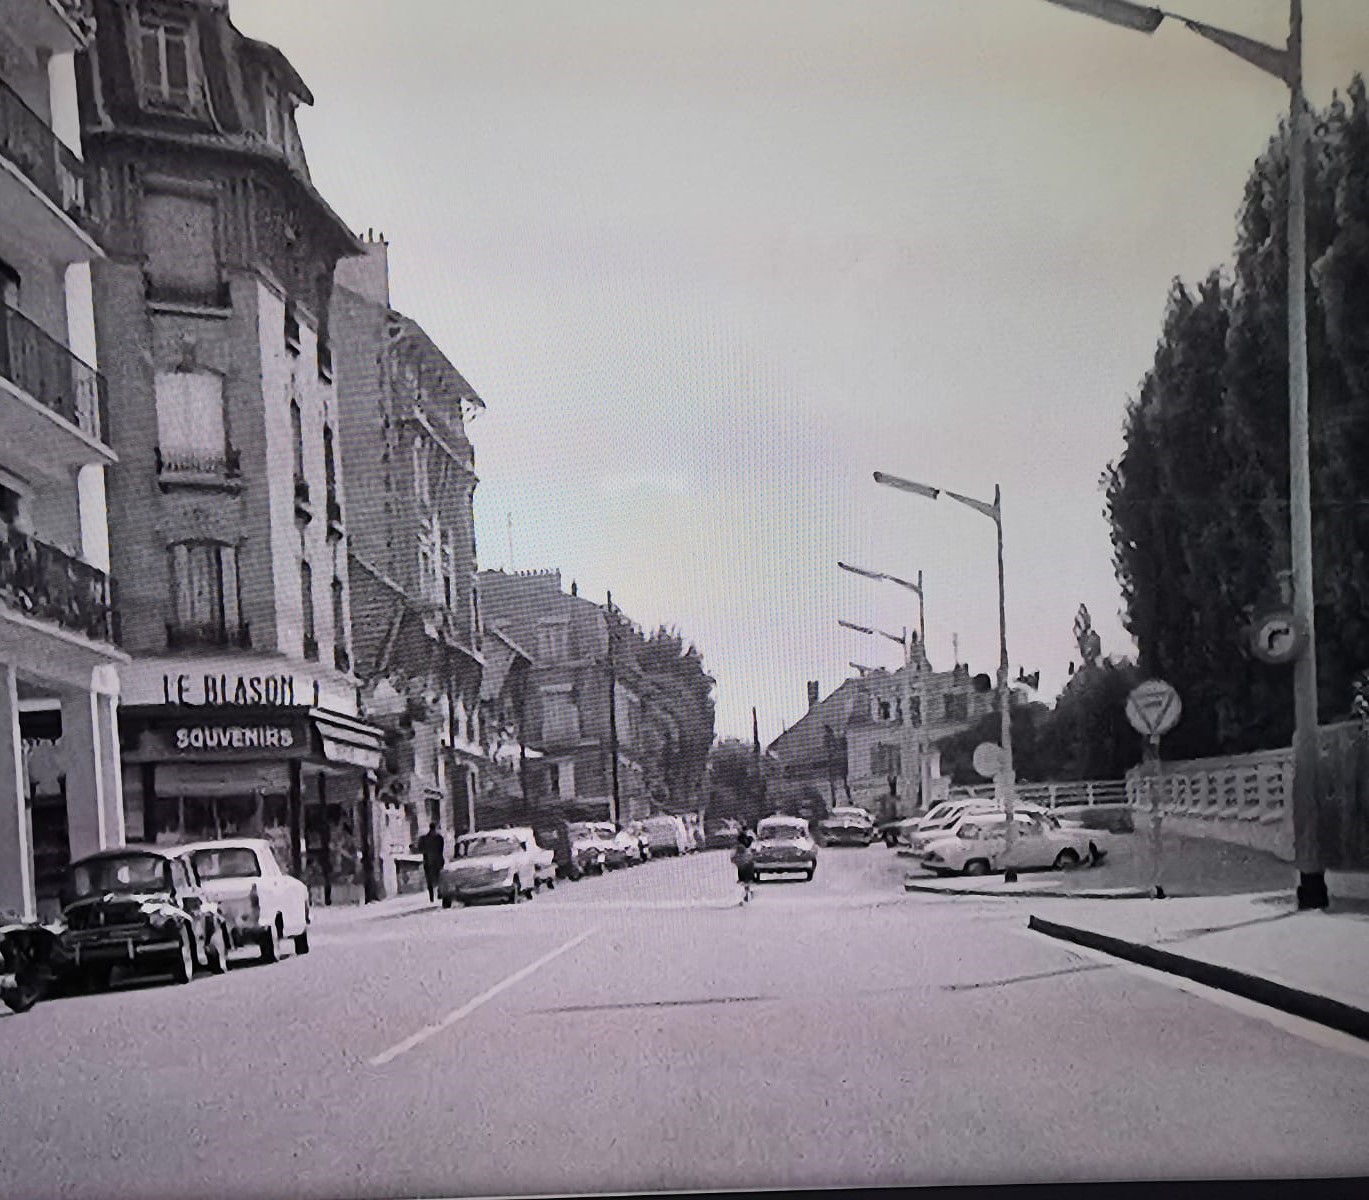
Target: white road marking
x,y
1321,1035
460,1014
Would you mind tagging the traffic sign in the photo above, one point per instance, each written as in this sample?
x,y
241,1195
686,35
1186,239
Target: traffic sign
x,y
988,759
1153,708
1277,637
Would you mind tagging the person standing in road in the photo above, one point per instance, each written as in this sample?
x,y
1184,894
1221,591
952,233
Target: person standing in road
x,y
742,857
433,847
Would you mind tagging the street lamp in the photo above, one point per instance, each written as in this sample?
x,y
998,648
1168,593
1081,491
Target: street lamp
x,y
1005,780
912,587
893,637
1284,64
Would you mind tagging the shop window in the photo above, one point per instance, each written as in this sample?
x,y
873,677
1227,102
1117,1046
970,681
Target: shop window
x,y
204,595
181,249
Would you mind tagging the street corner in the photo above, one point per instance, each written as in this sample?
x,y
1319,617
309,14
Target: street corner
x,y
1047,886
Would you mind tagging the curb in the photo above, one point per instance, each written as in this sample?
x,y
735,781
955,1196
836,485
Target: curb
x,y
1310,1006
1033,894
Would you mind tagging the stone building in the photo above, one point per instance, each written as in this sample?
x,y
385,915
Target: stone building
x,y
227,522
409,471
59,742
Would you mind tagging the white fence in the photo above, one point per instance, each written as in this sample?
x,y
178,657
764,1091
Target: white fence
x,y
1055,795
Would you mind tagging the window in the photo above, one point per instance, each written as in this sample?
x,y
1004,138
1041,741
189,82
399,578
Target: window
x,y
884,713
885,760
339,618
297,439
451,592
330,475
291,329
181,249
204,593
430,559
956,706
553,641
190,425
422,488
560,717
306,595
166,59
914,710
271,103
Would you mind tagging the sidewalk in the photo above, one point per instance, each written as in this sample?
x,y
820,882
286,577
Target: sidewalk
x,y
1312,964
332,916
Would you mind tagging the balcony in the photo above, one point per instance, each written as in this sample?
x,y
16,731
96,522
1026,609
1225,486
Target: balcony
x,y
50,377
208,635
210,470
46,583
33,150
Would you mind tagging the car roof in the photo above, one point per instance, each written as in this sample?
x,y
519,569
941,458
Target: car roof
x,y
167,852
782,819
222,844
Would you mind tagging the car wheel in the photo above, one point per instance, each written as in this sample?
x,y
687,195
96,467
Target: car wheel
x,y
217,951
977,866
890,840
1066,860
1095,857
270,943
302,942
446,902
94,979
551,883
183,968
808,874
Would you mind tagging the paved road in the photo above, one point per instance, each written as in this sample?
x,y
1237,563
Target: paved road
x,y
643,1032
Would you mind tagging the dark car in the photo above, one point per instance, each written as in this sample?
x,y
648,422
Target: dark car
x,y
846,827
721,835
142,909
575,847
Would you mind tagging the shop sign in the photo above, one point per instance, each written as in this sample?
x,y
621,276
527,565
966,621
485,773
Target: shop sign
x,y
238,691
219,739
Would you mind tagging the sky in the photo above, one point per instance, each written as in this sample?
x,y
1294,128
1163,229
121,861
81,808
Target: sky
x,y
712,264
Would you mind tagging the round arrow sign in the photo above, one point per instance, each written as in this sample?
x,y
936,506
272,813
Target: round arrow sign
x,y
988,759
1153,708
1278,637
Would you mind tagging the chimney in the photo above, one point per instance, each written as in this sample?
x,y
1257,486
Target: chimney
x,y
812,693
368,275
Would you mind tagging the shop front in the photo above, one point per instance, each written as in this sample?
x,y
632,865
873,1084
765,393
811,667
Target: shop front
x,y
300,775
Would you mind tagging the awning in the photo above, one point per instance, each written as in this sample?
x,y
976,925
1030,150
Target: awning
x,y
347,741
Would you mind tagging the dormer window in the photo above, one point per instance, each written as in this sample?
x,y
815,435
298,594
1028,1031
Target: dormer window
x,y
167,61
271,102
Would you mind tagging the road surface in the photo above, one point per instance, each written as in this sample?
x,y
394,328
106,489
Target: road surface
x,y
643,1031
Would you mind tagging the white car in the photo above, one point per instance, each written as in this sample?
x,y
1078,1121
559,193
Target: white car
x,y
944,820
979,846
667,835
493,863
262,905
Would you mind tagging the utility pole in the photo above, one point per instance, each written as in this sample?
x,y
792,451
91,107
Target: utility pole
x,y
612,710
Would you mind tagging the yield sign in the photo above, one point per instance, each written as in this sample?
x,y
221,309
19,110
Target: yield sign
x,y
1153,708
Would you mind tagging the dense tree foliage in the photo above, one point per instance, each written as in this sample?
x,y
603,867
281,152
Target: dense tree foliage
x,y
676,672
1198,500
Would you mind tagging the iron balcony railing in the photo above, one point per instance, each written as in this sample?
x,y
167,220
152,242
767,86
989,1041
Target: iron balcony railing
x,y
184,635
41,581
176,461
40,365
30,144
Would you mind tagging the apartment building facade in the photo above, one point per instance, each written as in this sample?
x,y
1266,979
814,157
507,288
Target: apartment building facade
x,y
240,712
59,657
409,469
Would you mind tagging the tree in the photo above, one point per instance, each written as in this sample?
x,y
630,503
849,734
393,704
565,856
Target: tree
x,y
736,781
1198,500
676,670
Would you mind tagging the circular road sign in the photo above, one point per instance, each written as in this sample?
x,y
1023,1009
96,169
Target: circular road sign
x,y
1153,708
1277,637
988,759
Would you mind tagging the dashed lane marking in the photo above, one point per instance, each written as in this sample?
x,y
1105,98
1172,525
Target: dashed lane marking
x,y
460,1014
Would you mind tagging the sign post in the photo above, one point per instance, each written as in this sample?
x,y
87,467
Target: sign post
x,y
1153,709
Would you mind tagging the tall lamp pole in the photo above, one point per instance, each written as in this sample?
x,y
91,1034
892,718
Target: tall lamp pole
x,y
1284,64
1005,782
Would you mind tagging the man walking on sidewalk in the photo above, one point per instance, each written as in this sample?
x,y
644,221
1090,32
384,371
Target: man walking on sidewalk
x,y
433,847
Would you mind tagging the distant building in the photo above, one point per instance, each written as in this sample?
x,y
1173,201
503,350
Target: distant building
x,y
876,736
211,313
59,740
409,473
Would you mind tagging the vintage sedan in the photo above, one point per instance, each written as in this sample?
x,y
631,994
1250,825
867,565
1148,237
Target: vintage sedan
x,y
492,864
141,909
783,847
846,827
979,846
262,905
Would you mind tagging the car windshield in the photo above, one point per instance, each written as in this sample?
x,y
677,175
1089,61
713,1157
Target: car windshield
x,y
486,847
605,831
780,831
848,814
130,873
229,862
578,829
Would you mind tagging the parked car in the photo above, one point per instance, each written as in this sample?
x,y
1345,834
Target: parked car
x,y
896,833
979,846
261,904
783,846
588,854
667,835
846,827
543,860
139,908
721,835
492,863
945,819
638,831
618,847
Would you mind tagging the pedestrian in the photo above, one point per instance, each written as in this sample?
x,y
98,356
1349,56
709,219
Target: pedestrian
x,y
433,847
742,857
